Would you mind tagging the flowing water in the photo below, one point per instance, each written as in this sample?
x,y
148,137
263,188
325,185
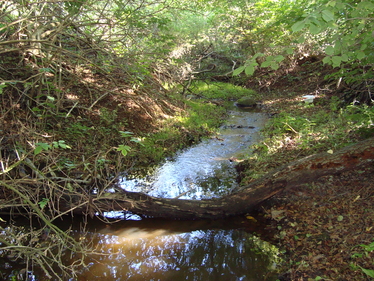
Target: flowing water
x,y
155,249
207,169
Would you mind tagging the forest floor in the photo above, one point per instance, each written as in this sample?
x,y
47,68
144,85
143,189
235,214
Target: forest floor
x,y
325,228
320,227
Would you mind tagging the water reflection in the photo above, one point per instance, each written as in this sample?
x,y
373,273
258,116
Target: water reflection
x,y
174,253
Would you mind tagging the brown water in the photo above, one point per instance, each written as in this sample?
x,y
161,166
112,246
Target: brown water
x,y
180,250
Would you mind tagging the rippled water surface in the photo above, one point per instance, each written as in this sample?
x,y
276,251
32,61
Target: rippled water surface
x,y
207,169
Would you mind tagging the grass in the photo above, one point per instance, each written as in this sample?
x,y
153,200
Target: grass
x,y
220,90
305,129
199,121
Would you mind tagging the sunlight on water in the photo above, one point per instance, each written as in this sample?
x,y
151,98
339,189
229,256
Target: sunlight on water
x,y
139,254
206,170
188,250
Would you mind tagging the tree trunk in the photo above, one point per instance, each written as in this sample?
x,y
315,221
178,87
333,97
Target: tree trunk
x,y
308,169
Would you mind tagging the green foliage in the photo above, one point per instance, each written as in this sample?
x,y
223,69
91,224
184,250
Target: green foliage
x,y
346,27
2,86
219,90
368,248
43,203
309,129
40,146
368,272
108,116
124,149
339,29
128,134
76,130
322,129
60,144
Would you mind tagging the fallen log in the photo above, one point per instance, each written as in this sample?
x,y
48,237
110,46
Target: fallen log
x,y
305,170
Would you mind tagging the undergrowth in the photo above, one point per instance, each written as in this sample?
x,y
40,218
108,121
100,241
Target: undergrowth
x,y
306,129
220,90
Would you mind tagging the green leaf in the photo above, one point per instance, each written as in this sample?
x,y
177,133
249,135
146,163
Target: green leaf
x,y
37,150
137,140
340,218
289,51
314,29
301,40
298,26
368,272
329,50
249,70
327,15
336,61
124,149
365,6
2,86
257,55
43,203
279,58
126,134
46,69
326,60
266,63
274,65
363,47
40,146
60,144
345,57
369,247
239,70
331,3
360,55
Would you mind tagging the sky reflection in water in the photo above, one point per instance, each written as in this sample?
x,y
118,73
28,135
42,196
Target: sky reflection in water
x,y
143,254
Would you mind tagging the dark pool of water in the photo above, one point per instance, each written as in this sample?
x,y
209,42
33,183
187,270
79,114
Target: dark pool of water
x,y
155,249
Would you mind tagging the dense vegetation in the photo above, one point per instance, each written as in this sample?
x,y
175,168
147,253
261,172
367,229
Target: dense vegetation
x,y
91,89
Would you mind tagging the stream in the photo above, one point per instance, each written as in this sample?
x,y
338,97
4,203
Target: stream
x,y
208,169
138,248
156,249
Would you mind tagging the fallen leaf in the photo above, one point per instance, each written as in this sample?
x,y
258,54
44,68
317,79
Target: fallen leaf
x,y
275,214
